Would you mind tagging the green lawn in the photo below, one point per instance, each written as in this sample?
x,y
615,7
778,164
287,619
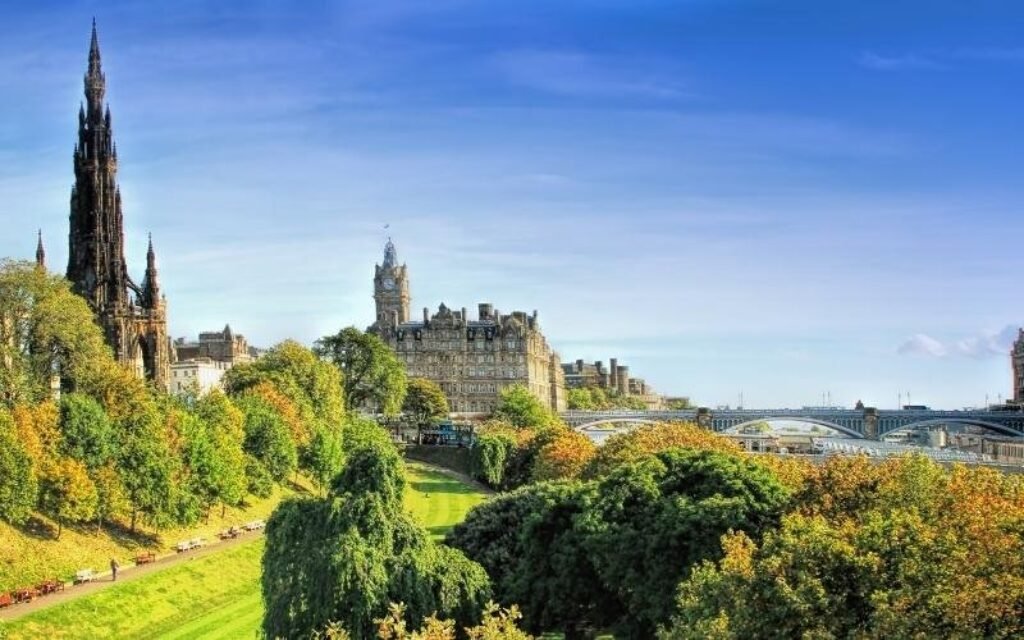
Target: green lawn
x,y
218,596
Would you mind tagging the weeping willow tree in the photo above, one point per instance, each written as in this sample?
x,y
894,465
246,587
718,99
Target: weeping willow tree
x,y
343,558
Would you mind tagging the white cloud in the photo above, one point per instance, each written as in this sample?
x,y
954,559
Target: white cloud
x,y
902,62
986,344
577,74
921,344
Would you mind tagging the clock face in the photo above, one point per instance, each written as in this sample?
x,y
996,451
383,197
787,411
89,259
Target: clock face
x,y
389,283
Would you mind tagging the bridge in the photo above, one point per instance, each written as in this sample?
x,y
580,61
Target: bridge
x,y
868,423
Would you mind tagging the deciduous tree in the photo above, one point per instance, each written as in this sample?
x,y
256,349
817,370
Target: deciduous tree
x,y
18,484
85,431
424,400
676,504
373,376
67,493
521,409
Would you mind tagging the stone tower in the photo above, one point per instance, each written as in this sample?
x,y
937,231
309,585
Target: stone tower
x,y
391,289
1017,359
133,318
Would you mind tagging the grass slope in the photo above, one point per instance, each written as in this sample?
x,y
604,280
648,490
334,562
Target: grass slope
x,y
31,553
217,597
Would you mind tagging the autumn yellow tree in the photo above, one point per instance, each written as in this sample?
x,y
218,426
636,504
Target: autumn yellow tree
x,y
640,442
564,457
67,493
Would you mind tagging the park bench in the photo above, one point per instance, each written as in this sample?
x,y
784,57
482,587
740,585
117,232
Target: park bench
x,y
227,534
84,575
50,586
145,558
188,545
6,600
27,594
254,525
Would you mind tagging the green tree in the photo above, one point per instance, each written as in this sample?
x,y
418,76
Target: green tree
x,y
86,432
45,330
67,493
200,469
489,455
676,504
580,399
226,426
268,439
323,457
528,542
313,385
343,558
373,376
522,409
18,483
111,501
424,400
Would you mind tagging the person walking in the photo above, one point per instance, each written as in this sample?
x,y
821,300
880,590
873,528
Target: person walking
x,y
114,566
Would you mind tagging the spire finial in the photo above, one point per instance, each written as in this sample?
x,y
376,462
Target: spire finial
x,y
40,252
390,255
94,48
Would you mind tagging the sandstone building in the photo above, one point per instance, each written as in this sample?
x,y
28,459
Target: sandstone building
x,y
472,360
133,317
224,346
615,377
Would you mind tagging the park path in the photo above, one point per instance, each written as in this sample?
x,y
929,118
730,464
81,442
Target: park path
x,y
124,574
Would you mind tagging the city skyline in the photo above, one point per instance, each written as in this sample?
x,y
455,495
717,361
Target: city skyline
x,y
617,187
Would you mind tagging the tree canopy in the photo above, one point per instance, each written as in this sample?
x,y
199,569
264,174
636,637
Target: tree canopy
x,y
425,400
343,558
520,408
373,376
45,331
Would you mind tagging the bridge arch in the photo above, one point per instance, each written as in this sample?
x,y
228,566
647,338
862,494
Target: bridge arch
x,y
635,422
853,433
974,422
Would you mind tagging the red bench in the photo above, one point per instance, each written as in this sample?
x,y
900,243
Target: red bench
x,y
26,595
6,600
50,586
145,558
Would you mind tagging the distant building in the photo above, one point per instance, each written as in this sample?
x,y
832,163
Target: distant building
x,y
471,360
200,375
1004,449
220,346
615,377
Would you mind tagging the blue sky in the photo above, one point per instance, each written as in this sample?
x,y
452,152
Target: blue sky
x,y
779,198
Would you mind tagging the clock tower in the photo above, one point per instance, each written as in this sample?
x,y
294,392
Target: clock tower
x,y
391,289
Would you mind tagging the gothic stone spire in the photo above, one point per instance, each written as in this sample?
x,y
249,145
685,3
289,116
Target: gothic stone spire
x,y
96,264
40,252
150,286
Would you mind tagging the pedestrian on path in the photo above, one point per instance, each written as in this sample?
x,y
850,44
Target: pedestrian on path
x,y
113,568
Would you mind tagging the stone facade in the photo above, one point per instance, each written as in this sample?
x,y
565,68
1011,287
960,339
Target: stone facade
x,y
472,360
218,346
200,375
133,317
